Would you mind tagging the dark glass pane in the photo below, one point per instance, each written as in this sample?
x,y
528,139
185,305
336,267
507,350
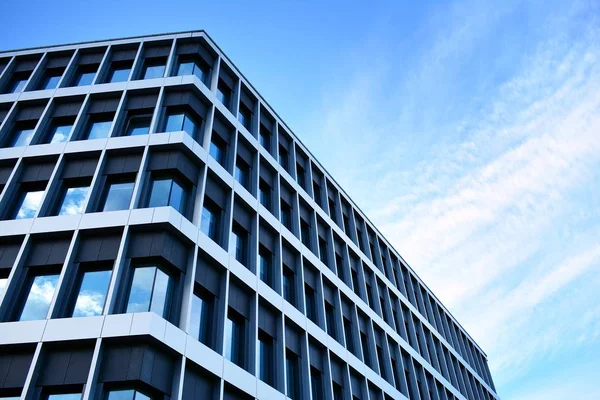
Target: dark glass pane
x,y
189,125
126,394
50,82
92,294
99,129
153,70
17,86
22,137
177,197
118,196
38,300
159,194
64,396
216,152
208,225
120,74
160,295
174,122
85,78
139,125
185,68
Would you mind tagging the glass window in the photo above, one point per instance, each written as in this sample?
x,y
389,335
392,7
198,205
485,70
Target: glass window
x,y
265,265
316,384
286,215
51,80
85,76
150,291
217,151
234,337
190,67
265,358
289,292
118,196
99,127
60,132
200,319
180,121
283,157
245,116
29,203
292,370
330,320
64,396
138,125
264,193
311,303
265,138
3,283
167,192
22,137
224,93
126,394
91,296
154,69
119,73
17,85
73,200
39,297
241,173
305,233
210,220
238,241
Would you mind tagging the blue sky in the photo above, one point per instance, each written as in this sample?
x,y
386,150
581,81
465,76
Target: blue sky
x,y
468,131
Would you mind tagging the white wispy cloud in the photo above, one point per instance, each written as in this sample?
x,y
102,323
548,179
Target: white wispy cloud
x,y
497,208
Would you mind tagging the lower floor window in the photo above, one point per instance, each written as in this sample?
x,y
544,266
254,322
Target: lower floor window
x,y
126,394
39,297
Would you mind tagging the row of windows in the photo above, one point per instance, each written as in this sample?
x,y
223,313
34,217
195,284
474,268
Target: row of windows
x,y
194,58
169,192
166,189
117,378
157,288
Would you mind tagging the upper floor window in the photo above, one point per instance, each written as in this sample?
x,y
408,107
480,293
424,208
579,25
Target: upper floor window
x,y
127,394
235,333
192,67
266,353
60,131
201,318
264,192
91,294
242,173
150,290
211,218
265,265
22,135
217,149
119,72
286,215
17,83
29,203
117,196
73,200
224,93
265,138
39,296
98,126
239,241
85,75
63,396
167,192
178,120
138,124
245,116
51,79
154,68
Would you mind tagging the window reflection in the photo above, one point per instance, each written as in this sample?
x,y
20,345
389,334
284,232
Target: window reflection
x,y
126,394
99,129
60,133
39,297
29,203
74,200
180,121
167,192
149,291
118,196
92,294
22,137
64,396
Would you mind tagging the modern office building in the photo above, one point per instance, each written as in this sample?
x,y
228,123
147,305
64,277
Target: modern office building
x,y
164,234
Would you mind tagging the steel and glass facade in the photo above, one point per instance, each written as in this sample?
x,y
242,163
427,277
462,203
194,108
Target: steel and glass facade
x,y
163,234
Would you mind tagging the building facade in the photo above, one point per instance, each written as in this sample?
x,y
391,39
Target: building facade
x,y
163,234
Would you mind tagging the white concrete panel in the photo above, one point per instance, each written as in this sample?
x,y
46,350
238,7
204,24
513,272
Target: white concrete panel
x,y
22,332
148,324
117,325
73,328
239,377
